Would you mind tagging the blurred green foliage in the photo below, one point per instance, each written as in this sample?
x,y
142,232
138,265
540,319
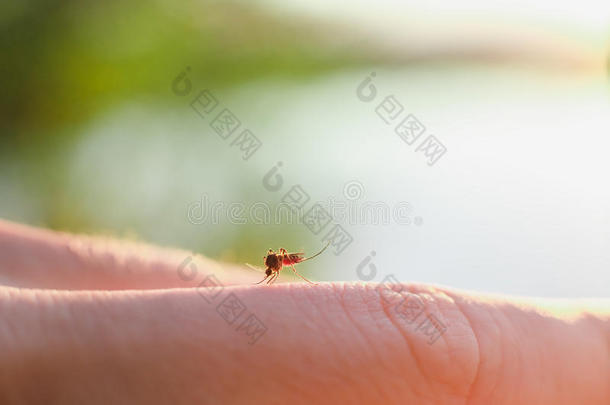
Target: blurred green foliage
x,y
66,62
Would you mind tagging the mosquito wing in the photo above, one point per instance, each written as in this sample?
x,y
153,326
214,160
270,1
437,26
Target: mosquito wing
x,y
293,258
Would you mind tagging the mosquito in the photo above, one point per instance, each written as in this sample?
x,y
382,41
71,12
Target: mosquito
x,y
274,262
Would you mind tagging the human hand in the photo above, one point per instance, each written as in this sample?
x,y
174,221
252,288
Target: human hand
x,y
86,320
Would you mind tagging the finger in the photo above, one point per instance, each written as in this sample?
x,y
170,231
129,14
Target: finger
x,y
38,258
328,344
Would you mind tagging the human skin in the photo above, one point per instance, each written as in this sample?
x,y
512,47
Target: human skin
x,y
88,320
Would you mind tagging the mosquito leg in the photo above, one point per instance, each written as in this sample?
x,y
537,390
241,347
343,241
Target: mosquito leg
x,y
297,273
261,280
273,277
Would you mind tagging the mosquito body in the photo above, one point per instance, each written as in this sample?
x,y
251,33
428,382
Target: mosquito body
x,y
274,262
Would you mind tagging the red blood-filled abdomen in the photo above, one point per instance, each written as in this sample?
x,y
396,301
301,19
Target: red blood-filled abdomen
x,y
292,258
